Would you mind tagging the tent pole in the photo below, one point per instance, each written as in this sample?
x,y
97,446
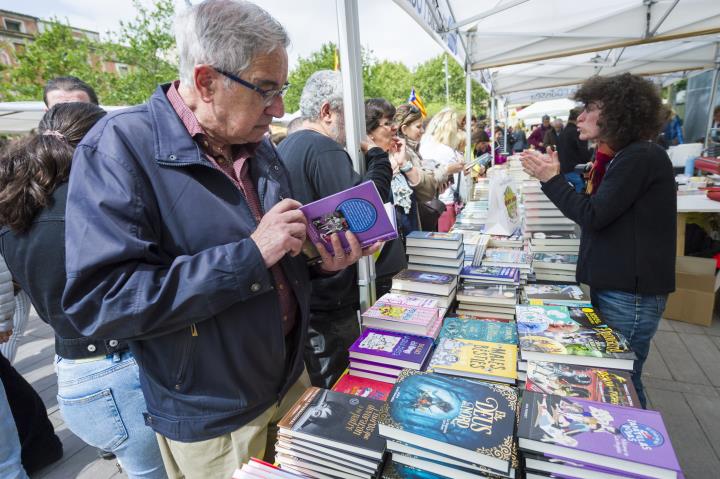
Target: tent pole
x,y
353,101
505,109
713,95
468,115
492,126
447,82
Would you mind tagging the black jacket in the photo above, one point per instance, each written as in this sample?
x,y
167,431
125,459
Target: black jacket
x,y
36,260
320,167
571,149
629,225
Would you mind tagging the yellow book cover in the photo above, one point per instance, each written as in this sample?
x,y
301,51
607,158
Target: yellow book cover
x,y
475,359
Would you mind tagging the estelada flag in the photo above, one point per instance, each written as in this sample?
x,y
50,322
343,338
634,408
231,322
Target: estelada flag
x,y
414,99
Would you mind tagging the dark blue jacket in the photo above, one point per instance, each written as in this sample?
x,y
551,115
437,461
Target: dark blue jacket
x,y
158,252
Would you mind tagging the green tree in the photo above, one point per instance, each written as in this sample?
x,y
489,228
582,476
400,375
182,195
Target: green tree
x,y
389,80
144,44
323,59
429,80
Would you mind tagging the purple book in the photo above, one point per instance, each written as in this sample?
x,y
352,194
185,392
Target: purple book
x,y
391,348
358,209
374,367
614,437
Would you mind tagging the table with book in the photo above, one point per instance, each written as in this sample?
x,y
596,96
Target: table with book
x,y
484,360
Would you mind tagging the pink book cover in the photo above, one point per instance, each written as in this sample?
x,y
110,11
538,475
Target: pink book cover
x,y
402,314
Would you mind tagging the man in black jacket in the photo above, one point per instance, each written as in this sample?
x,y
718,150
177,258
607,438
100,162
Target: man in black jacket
x,y
572,151
319,166
627,249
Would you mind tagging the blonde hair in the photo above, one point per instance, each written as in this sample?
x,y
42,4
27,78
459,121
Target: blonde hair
x,y
443,128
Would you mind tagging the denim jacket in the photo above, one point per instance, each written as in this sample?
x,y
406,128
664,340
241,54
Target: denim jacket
x,y
158,252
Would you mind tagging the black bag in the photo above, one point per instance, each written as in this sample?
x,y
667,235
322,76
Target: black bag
x,y
429,212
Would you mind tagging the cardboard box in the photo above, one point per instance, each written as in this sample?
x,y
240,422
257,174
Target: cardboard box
x,y
694,298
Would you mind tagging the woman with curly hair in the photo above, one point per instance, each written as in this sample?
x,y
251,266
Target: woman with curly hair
x,y
99,392
627,249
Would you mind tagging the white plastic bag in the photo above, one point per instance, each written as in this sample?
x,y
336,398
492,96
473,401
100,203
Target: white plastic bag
x,y
503,208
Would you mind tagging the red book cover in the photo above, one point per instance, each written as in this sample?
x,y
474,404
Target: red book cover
x,y
362,387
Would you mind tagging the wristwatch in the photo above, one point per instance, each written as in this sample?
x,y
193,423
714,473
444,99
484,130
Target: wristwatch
x,y
406,167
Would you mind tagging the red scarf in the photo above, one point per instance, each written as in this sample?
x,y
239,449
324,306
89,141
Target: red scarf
x,y
603,156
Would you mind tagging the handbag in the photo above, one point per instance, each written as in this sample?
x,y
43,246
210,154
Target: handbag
x,y
429,212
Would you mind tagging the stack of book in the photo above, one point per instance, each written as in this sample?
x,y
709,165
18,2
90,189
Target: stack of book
x,y
540,213
488,300
435,252
570,335
381,355
403,318
481,190
514,241
490,275
554,295
555,242
509,258
451,427
440,286
477,349
475,213
328,433
573,437
257,469
555,267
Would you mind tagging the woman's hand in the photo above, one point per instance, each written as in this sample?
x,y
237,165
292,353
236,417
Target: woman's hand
x,y
541,166
455,167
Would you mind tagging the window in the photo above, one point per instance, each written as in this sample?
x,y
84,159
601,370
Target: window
x,y
13,25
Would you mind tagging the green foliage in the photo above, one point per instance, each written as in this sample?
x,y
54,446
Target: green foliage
x,y
392,80
144,45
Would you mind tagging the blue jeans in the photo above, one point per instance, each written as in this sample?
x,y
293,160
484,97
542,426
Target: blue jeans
x,y
10,465
635,316
101,402
576,180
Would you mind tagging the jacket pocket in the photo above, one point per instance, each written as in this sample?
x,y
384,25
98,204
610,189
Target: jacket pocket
x,y
95,419
188,349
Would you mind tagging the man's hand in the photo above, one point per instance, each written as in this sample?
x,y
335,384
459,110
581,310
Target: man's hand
x,y
543,167
340,260
282,230
5,336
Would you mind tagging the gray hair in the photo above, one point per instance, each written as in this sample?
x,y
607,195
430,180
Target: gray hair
x,y
226,34
322,86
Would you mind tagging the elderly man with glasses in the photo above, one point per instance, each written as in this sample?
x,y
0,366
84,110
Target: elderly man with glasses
x,y
183,239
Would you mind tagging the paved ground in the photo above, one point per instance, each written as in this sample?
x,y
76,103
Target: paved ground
x,y
682,378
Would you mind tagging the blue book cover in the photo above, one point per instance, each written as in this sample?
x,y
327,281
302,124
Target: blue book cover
x,y
453,416
490,273
479,330
434,236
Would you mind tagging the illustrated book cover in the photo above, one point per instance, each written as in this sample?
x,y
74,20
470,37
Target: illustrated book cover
x,y
397,349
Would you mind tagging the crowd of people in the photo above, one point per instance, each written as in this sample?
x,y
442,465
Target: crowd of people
x,y
163,242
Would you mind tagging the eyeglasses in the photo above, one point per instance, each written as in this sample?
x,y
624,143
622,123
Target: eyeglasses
x,y
413,110
267,95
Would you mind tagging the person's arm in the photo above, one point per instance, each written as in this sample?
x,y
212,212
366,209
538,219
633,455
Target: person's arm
x,y
379,171
536,138
622,184
7,302
120,283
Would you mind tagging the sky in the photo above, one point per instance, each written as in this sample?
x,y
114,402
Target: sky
x,y
384,28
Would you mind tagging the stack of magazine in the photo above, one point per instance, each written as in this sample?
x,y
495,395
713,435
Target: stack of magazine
x,y
331,434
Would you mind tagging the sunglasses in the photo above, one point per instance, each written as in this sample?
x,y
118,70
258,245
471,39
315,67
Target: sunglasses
x,y
268,96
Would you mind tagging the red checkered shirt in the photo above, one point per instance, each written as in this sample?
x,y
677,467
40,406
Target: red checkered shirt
x,y
238,170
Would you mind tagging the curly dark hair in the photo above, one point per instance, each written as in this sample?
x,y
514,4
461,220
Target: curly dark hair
x,y
630,108
31,167
375,110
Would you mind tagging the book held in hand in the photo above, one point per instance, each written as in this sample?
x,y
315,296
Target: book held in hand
x,y
358,209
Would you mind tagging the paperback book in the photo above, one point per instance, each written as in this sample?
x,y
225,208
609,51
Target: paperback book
x,y
456,417
501,294
358,209
408,300
393,317
490,274
362,387
493,331
555,237
475,359
555,261
557,294
594,384
424,282
433,239
396,349
616,437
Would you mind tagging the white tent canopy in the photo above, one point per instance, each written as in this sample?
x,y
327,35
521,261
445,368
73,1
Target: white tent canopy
x,y
19,117
554,108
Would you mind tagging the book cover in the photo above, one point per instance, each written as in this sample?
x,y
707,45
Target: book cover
x,y
416,276
493,331
338,419
402,314
374,367
434,239
595,384
362,387
555,260
552,330
395,470
605,431
407,300
555,237
475,359
454,416
537,293
358,209
393,348
479,316
506,256
488,293
490,274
